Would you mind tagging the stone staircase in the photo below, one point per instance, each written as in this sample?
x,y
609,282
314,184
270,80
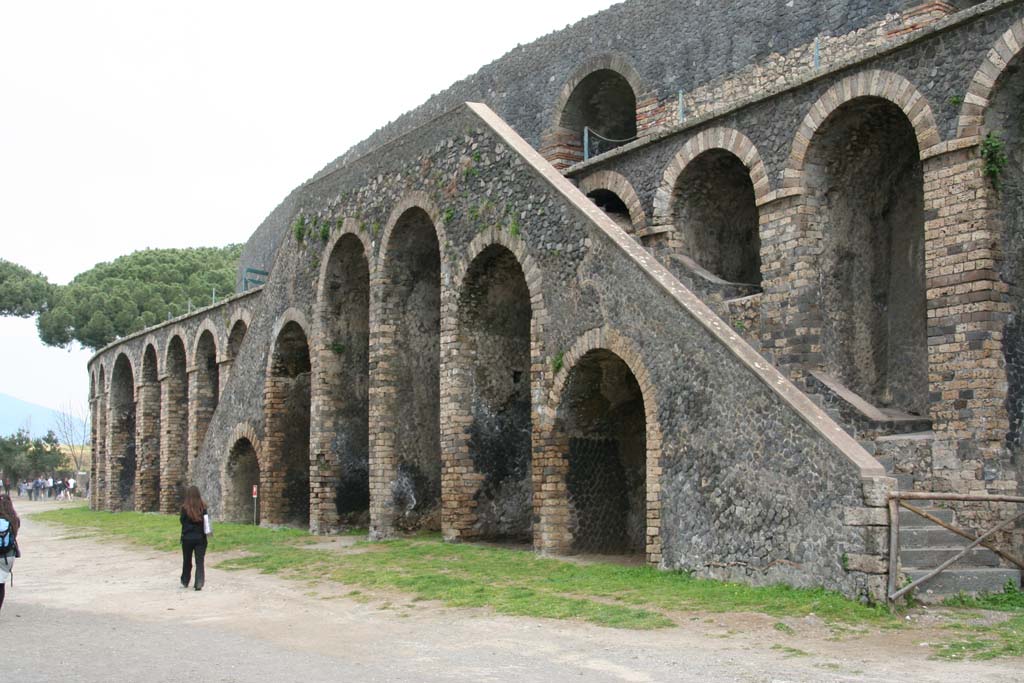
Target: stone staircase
x,y
902,443
925,545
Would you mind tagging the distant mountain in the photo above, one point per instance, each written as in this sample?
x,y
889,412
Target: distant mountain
x,y
15,414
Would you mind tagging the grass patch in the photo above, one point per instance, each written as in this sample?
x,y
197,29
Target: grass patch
x,y
1005,639
512,582
790,651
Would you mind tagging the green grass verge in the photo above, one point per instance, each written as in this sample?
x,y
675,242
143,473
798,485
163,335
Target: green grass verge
x,y
508,581
987,641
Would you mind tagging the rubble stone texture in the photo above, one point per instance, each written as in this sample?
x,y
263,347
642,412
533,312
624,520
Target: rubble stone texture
x,y
708,346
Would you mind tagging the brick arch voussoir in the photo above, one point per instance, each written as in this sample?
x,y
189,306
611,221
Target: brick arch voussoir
x,y
873,83
243,430
609,339
290,315
531,273
620,185
180,332
416,199
349,227
150,340
611,61
720,138
219,345
986,77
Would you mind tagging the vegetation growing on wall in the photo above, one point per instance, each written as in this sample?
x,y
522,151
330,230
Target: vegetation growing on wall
x,y
120,297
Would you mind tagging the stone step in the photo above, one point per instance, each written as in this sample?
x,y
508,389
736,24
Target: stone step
x,y
910,520
969,581
916,538
933,557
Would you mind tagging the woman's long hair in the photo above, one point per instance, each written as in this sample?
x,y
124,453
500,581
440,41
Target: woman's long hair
x,y
8,513
193,507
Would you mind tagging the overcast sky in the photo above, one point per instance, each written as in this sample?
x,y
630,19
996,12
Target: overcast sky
x,y
127,125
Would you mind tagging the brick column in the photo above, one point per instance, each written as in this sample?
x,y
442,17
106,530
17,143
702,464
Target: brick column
x,y
202,403
790,316
173,442
562,147
272,469
967,314
459,478
551,532
383,461
120,434
224,374
324,468
147,440
97,427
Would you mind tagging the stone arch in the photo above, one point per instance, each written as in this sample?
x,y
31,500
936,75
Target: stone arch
x,y
121,463
240,472
204,386
876,83
237,330
405,368
285,473
491,323
709,194
616,184
605,354
998,112
983,83
602,93
216,335
340,428
415,199
862,181
174,437
147,482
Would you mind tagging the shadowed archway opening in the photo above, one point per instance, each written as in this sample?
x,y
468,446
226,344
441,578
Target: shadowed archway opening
x,y
207,386
605,103
865,198
241,473
236,337
715,213
601,419
411,303
1004,123
344,382
612,204
147,496
174,423
122,463
286,395
494,373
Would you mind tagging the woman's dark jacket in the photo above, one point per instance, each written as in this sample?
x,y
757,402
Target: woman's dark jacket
x,y
191,531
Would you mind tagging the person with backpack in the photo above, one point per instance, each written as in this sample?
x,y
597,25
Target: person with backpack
x,y
9,525
193,537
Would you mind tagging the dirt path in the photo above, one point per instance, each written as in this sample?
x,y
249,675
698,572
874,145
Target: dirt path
x,y
87,610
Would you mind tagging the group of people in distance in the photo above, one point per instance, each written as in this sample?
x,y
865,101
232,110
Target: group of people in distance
x,y
195,529
40,488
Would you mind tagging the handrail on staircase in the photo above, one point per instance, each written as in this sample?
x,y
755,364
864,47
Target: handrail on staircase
x,y
897,500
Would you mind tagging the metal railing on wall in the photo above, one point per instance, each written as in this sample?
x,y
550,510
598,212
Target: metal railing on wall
x,y
253,277
592,139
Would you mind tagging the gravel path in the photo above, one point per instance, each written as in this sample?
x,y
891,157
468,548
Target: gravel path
x,y
83,609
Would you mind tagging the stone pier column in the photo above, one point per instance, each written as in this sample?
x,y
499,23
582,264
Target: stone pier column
x,y
967,315
551,532
383,459
272,470
790,315
147,440
173,443
120,434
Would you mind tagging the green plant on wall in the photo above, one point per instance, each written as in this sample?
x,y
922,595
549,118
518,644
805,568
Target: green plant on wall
x,y
993,153
556,362
338,348
299,227
956,101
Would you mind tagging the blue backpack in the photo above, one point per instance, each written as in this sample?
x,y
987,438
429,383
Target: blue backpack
x,y
6,537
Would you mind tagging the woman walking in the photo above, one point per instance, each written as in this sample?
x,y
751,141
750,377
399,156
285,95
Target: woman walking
x,y
193,537
9,525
